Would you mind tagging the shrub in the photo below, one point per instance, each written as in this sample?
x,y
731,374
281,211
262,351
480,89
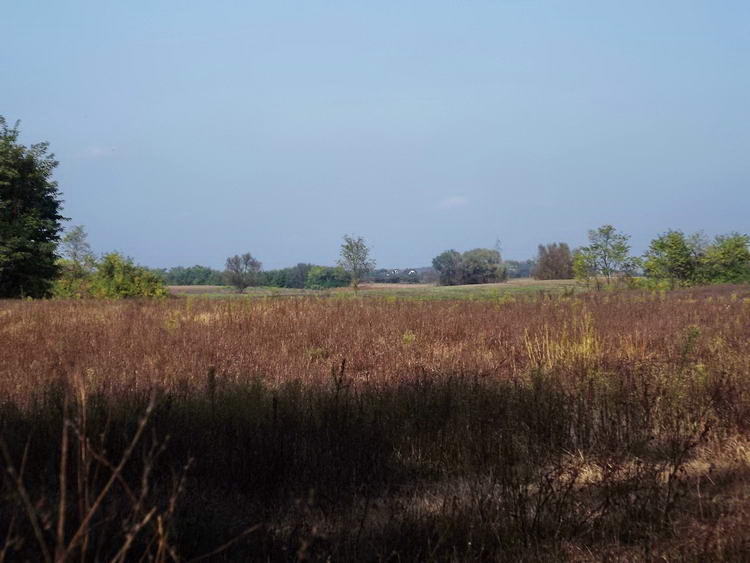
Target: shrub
x,y
113,277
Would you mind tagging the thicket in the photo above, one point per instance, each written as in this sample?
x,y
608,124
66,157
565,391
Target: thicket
x,y
480,265
602,427
679,259
293,278
324,277
112,276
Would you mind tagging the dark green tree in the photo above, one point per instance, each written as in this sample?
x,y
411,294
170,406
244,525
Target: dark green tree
x,y
30,220
482,265
448,266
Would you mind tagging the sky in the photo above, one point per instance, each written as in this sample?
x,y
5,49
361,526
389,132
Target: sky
x,y
191,131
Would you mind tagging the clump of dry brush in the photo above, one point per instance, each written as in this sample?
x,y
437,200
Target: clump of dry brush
x,y
610,425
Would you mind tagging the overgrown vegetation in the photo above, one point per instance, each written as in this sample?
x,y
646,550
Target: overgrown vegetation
x,y
684,260
605,426
113,276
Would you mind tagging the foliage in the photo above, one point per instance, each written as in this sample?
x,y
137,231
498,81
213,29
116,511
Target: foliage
x,y
78,259
112,277
242,271
671,257
192,275
681,260
448,266
726,260
584,267
292,278
480,265
607,254
323,277
355,259
30,220
554,262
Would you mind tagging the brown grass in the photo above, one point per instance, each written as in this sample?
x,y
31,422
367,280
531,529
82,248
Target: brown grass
x,y
609,425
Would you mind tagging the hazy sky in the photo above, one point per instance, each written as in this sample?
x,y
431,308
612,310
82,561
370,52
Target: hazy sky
x,y
189,131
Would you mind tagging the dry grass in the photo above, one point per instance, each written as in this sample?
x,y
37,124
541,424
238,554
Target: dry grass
x,y
517,428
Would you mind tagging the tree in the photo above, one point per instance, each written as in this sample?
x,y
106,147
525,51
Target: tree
x,y
448,266
671,257
242,271
482,265
30,220
554,262
355,259
608,253
75,248
726,260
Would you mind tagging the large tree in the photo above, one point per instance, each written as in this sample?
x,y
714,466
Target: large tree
x,y
30,220
482,265
448,266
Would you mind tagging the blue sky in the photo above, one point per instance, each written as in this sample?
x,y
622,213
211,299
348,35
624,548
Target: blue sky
x,y
190,131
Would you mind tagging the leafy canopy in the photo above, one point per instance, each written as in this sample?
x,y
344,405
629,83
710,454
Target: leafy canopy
x,y
30,219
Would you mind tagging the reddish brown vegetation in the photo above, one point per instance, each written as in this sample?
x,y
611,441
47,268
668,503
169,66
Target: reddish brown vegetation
x,y
366,428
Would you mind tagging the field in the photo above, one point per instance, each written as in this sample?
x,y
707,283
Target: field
x,y
415,291
391,426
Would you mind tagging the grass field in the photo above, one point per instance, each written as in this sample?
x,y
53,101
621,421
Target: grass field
x,y
521,286
585,427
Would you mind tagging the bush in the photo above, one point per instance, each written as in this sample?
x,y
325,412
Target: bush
x,y
323,277
113,277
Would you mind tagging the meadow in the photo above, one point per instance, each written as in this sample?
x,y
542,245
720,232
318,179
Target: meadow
x,y
513,287
510,426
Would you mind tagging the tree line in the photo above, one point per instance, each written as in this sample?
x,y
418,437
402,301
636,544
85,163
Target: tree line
x,y
37,260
